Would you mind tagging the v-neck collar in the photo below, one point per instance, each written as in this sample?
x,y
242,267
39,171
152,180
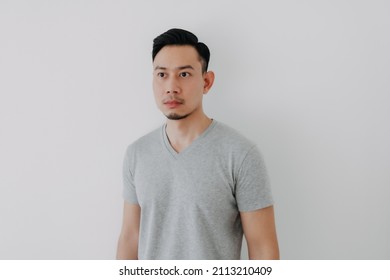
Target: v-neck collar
x,y
172,151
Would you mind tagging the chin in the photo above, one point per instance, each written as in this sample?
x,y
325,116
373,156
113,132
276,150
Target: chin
x,y
174,116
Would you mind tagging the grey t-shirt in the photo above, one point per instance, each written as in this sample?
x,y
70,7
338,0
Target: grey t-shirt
x,y
190,201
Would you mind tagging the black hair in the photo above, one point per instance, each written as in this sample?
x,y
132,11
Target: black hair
x,y
180,37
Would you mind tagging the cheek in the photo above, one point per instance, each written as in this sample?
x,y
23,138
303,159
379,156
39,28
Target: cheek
x,y
155,91
194,86
156,87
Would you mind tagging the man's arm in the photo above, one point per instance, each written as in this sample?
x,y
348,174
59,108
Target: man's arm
x,y
128,239
260,233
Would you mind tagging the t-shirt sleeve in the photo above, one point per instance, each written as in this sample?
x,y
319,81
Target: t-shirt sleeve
x,y
129,193
253,189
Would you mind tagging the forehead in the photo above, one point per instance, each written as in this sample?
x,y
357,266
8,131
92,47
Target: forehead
x,y
176,56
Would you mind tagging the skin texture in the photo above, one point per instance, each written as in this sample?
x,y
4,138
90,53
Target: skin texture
x,y
179,86
260,233
128,239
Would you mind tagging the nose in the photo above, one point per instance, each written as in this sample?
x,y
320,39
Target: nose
x,y
172,86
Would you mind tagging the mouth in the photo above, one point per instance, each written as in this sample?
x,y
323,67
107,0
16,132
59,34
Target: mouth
x,y
172,103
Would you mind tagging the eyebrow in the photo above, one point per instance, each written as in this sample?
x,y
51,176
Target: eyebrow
x,y
177,68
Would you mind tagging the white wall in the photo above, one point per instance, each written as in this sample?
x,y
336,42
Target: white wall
x,y
307,80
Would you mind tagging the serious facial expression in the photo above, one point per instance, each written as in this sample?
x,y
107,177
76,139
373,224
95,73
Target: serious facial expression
x,y
178,82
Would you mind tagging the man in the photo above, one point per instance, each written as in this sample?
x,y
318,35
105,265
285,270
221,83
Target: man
x,y
194,186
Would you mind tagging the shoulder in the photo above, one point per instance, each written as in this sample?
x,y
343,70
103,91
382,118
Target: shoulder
x,y
227,136
236,151
145,142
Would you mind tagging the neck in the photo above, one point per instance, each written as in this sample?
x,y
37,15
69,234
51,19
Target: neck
x,y
182,133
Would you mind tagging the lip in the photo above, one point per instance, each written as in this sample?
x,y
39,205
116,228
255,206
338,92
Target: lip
x,y
172,104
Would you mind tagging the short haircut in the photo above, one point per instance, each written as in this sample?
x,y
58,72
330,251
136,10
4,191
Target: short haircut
x,y
180,37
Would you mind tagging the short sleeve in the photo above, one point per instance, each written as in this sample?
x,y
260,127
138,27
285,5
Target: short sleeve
x,y
129,193
253,189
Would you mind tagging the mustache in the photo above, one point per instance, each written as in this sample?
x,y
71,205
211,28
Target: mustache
x,y
176,99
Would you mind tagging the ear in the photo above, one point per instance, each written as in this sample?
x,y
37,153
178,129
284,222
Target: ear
x,y
208,79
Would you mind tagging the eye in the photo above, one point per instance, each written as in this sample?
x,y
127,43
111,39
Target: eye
x,y
184,74
161,74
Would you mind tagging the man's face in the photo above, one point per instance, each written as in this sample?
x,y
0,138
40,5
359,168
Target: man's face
x,y
178,82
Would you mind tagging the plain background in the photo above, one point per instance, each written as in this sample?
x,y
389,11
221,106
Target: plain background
x,y
306,80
